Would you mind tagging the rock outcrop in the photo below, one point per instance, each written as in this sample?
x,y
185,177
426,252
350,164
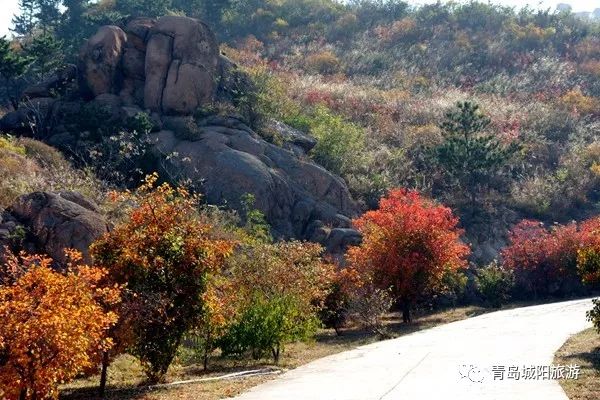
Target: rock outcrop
x,y
230,160
170,68
167,65
48,223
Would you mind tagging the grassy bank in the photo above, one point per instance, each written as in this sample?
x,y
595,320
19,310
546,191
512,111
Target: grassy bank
x,y
582,349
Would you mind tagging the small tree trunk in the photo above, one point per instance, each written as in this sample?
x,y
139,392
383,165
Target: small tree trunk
x,y
406,318
275,351
205,359
23,394
103,374
338,331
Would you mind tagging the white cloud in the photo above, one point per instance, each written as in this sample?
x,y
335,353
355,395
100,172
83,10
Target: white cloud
x,y
8,8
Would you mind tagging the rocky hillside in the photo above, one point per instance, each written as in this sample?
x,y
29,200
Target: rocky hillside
x,y
168,72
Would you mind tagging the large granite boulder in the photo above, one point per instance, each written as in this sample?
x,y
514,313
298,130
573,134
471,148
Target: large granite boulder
x,y
169,65
51,222
229,160
100,61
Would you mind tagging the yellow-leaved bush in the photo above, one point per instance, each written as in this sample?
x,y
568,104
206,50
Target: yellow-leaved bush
x,y
54,324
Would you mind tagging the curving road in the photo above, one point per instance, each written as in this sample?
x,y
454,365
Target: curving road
x,y
453,361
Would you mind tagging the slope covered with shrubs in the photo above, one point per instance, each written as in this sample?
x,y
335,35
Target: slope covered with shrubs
x,y
28,165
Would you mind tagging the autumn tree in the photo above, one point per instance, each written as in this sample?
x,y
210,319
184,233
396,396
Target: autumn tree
x,y
588,255
409,243
588,262
543,259
53,326
279,290
337,302
164,253
219,311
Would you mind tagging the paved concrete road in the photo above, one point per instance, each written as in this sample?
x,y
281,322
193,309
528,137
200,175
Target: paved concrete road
x,y
452,361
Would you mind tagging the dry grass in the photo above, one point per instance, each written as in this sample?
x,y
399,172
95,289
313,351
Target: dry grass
x,y
582,349
126,379
27,165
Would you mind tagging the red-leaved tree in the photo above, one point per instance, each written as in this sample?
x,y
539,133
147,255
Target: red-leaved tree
x,y
588,263
588,255
409,243
543,259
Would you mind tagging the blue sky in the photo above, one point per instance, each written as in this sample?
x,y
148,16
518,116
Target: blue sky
x,y
9,7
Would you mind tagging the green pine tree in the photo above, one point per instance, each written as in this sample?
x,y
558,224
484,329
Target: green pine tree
x,y
48,15
46,53
74,27
25,21
146,8
13,66
470,159
42,15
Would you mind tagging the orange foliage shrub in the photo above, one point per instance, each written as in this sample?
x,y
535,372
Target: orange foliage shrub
x,y
577,102
324,63
588,256
404,29
591,67
53,324
531,35
543,259
164,253
293,269
588,48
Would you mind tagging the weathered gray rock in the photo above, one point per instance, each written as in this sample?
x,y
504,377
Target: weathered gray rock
x,y
15,121
340,238
55,222
230,162
169,65
193,64
293,139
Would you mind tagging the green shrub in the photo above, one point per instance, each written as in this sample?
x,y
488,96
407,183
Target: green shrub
x,y
455,283
494,284
266,325
593,315
335,307
341,144
140,123
324,63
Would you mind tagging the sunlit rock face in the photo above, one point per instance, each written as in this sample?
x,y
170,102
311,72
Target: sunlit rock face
x,y
169,65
